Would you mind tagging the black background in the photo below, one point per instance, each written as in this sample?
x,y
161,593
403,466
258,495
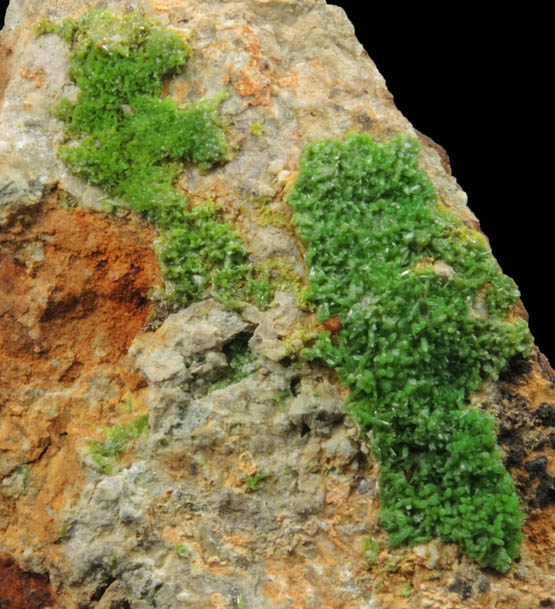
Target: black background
x,y
477,84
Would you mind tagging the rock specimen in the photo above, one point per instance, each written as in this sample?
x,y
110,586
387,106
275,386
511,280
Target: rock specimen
x,y
201,271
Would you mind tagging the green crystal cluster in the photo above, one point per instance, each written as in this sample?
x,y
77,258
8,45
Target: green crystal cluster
x,y
131,142
416,340
198,254
105,454
424,312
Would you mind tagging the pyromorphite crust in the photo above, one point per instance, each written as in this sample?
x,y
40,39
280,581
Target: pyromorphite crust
x,y
422,304
130,142
424,312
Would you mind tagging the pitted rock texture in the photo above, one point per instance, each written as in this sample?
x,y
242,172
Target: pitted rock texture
x,y
251,493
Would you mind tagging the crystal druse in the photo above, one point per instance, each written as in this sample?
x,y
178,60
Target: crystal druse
x,y
422,309
131,142
425,315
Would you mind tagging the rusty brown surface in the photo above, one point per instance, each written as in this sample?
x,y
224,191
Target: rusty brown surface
x,y
21,590
75,293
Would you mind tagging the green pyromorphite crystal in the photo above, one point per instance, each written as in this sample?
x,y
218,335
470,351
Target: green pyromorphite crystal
x,y
131,142
424,311
105,454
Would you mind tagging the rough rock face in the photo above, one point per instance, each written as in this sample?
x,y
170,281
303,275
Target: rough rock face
x,y
250,490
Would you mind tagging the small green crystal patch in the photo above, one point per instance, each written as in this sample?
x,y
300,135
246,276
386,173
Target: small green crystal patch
x,y
424,312
105,454
131,142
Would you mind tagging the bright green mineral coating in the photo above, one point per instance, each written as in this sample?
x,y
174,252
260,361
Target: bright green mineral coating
x,y
198,252
412,347
414,343
131,142
105,454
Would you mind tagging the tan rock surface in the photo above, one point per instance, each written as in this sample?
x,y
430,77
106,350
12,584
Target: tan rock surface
x,y
75,355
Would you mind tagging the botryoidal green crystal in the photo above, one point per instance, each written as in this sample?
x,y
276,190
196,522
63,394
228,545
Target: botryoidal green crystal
x,y
424,309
